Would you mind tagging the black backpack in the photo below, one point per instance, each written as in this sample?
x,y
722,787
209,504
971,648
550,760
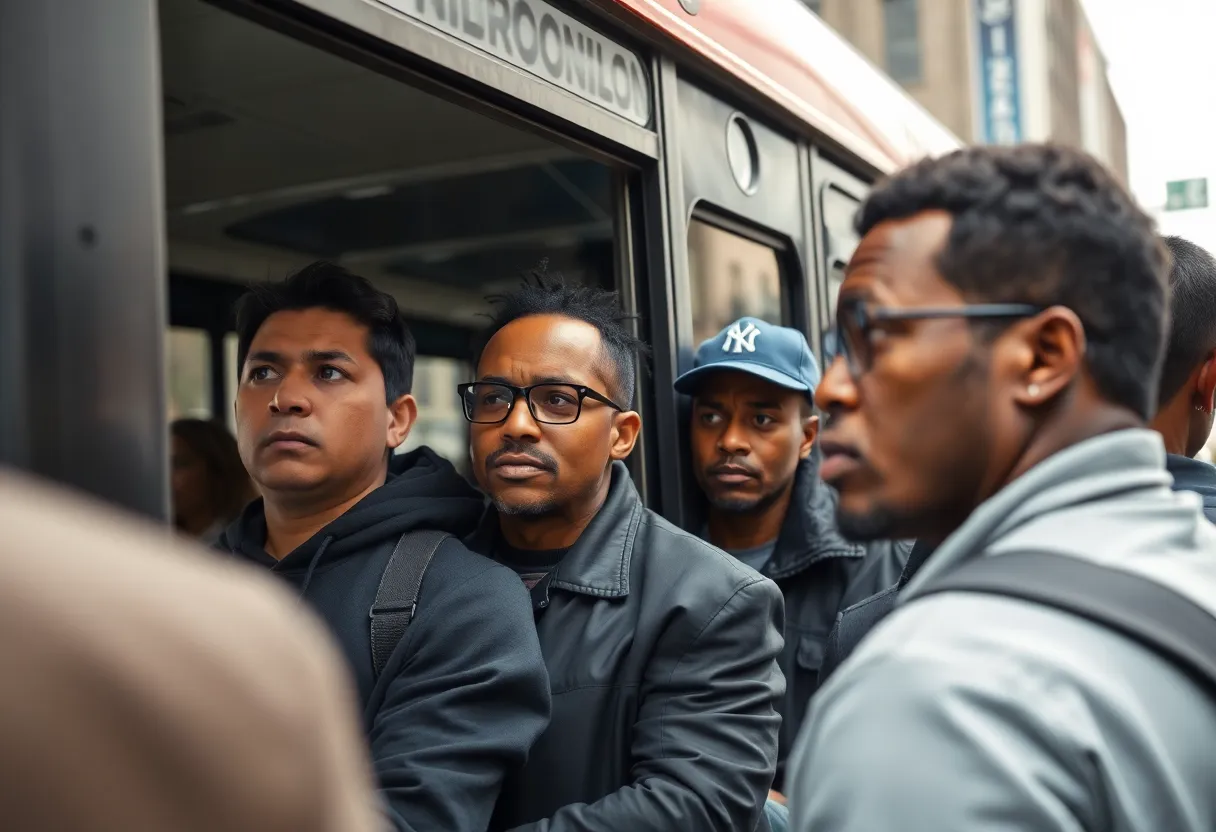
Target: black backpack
x,y
397,595
1169,624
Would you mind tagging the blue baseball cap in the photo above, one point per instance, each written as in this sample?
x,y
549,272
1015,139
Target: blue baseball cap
x,y
774,353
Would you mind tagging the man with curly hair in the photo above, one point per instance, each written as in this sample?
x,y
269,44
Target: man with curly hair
x,y
1002,326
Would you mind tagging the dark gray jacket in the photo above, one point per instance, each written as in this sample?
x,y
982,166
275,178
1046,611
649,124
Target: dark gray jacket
x,y
819,574
662,657
1194,476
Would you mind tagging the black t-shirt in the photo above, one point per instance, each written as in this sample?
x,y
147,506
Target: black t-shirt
x,y
532,565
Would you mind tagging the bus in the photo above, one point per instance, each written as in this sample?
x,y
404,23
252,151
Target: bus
x,y
703,158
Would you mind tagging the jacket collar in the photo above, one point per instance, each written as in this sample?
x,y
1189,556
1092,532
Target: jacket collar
x,y
598,562
809,533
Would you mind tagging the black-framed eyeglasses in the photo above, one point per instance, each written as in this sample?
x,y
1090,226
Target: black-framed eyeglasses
x,y
850,337
491,402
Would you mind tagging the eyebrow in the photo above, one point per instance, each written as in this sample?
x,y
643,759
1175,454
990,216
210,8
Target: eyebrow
x,y
311,356
863,295
534,380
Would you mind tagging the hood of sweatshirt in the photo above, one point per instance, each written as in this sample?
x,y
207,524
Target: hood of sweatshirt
x,y
423,490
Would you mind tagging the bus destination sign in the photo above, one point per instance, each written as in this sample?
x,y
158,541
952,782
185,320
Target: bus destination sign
x,y
548,43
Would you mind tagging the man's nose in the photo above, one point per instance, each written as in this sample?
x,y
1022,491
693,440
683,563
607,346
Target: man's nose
x,y
734,440
519,423
836,390
291,397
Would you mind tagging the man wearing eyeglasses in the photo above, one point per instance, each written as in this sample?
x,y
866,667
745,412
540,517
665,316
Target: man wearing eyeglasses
x,y
754,455
661,649
1002,323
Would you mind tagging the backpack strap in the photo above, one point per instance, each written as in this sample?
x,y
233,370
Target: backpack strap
x,y
397,595
1169,624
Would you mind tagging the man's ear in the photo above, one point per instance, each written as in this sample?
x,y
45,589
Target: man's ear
x,y
1048,353
1205,385
810,430
402,414
626,427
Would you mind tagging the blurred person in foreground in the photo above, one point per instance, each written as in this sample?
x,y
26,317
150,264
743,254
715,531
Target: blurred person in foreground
x,y
209,483
661,649
145,693
327,362
1003,324
752,437
1187,394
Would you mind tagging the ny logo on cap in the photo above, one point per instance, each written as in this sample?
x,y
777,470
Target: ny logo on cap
x,y
738,340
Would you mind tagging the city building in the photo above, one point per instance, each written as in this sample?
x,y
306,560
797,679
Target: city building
x,y
993,71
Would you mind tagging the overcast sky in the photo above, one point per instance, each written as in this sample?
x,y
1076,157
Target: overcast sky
x,y
1162,65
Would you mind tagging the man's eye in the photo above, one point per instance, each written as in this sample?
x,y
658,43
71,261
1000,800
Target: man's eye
x,y
763,420
261,373
328,373
710,418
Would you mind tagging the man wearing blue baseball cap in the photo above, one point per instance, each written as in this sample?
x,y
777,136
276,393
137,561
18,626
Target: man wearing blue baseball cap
x,y
753,451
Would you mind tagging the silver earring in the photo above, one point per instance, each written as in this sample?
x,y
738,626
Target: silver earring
x,y
1032,390
1200,408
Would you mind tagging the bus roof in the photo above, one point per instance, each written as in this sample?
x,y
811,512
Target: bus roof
x,y
787,54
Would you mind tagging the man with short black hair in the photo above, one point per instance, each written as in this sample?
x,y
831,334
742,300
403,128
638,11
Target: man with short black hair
x,y
1184,420
1002,324
754,455
661,649
1187,393
452,701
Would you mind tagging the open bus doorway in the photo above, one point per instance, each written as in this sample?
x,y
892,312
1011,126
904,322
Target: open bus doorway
x,y
278,153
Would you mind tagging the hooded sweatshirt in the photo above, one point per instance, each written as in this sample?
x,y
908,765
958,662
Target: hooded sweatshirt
x,y
466,693
970,711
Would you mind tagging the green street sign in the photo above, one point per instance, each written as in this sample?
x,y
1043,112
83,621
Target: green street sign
x,y
1186,193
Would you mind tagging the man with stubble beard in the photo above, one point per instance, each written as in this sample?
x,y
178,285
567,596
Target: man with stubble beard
x,y
661,649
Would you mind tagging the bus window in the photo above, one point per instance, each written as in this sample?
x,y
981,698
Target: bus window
x,y
440,424
232,379
188,361
839,238
730,276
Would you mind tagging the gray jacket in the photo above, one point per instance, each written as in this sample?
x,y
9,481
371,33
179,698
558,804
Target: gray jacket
x,y
969,712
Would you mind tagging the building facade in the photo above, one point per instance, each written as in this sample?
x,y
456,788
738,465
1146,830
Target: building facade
x,y
993,71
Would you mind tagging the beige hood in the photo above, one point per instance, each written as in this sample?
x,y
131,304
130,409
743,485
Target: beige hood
x,y
148,685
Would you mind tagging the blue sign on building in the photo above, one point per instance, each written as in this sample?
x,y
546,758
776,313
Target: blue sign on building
x,y
1000,94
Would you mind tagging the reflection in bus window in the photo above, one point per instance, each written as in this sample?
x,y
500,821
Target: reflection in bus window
x,y
730,276
839,238
188,364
